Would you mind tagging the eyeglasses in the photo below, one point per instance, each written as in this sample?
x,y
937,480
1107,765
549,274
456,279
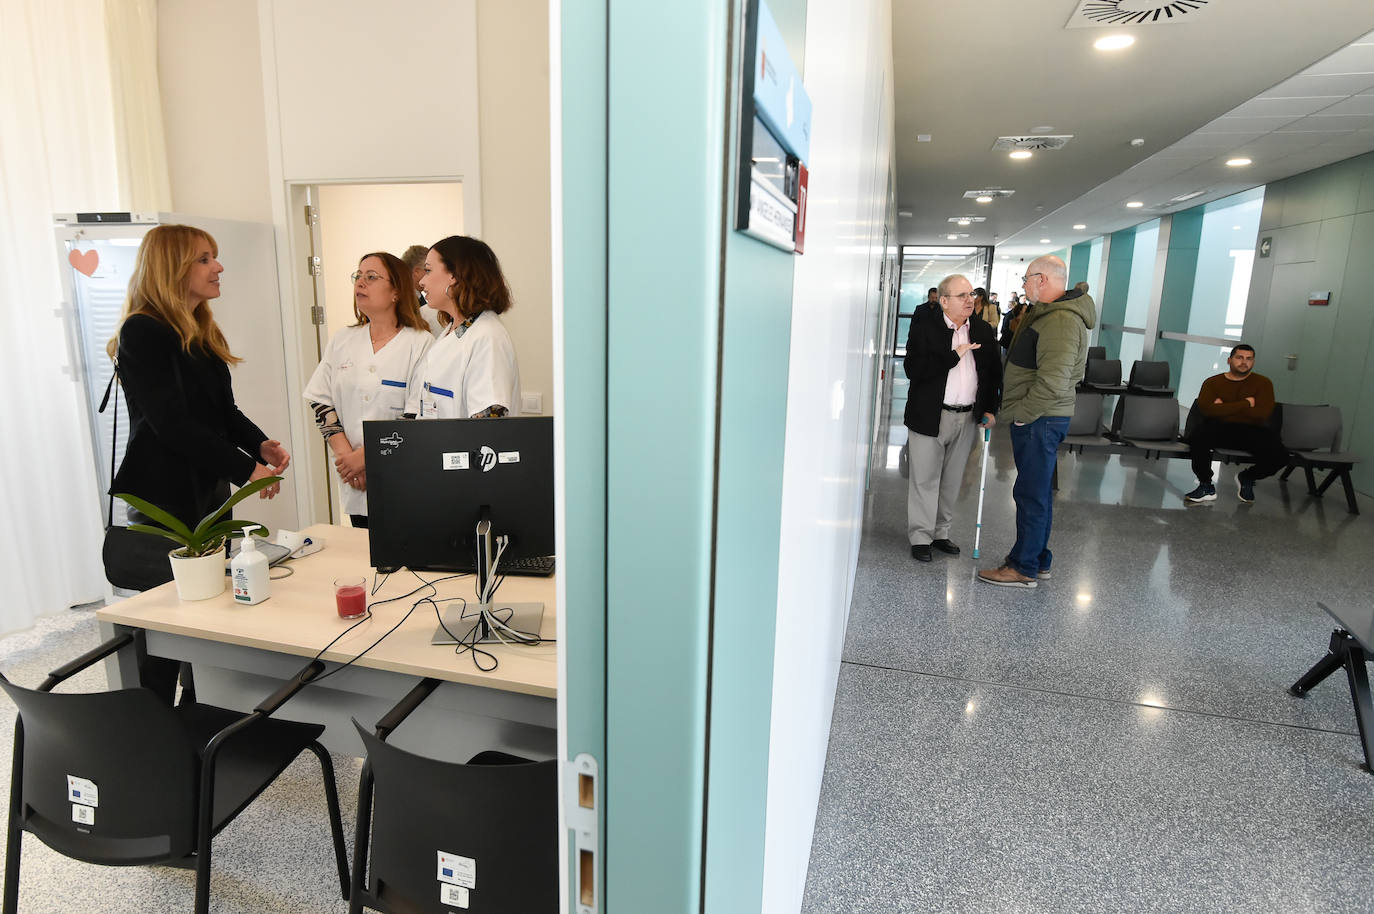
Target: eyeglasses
x,y
369,277
962,296
1027,278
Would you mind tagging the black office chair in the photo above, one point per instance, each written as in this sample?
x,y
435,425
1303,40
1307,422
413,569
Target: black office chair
x,y
1149,423
497,816
166,780
1150,379
1103,376
1097,352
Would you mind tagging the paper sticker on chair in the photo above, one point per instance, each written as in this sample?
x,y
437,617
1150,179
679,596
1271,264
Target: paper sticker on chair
x,y
457,870
83,791
85,815
455,895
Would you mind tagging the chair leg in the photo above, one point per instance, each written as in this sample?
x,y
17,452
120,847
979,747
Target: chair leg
x,y
331,795
13,849
360,841
204,823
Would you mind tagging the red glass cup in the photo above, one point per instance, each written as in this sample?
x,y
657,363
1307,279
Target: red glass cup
x,y
350,596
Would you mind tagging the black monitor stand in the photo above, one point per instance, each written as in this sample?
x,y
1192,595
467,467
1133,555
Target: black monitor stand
x,y
488,621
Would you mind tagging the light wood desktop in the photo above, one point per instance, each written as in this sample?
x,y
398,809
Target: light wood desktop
x,y
241,652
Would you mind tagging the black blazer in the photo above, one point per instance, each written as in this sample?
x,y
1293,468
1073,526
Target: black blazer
x,y
929,359
187,438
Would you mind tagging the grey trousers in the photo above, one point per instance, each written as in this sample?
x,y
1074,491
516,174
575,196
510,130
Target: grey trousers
x,y
937,469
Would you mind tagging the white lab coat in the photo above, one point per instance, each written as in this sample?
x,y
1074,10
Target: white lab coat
x,y
361,384
463,375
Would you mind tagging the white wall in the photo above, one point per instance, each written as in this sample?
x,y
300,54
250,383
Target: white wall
x,y
357,219
835,320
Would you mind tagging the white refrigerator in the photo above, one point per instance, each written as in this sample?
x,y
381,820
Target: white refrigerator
x,y
97,252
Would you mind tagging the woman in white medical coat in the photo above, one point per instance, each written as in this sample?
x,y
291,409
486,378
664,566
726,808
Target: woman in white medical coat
x,y
470,370
369,370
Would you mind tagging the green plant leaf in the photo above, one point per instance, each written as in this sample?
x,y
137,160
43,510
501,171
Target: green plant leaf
x,y
252,488
158,531
155,513
232,528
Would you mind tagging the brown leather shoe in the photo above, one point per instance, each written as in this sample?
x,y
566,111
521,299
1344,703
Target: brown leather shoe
x,y
1006,576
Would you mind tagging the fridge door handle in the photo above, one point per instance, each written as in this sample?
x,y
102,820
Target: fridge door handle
x,y
67,314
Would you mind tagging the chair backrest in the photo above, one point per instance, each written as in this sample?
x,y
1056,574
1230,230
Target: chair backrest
x,y
135,751
1148,418
503,817
1149,374
1311,428
1087,413
1102,371
1097,352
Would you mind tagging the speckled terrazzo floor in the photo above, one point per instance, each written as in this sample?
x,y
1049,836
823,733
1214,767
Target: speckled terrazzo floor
x,y
276,858
1118,739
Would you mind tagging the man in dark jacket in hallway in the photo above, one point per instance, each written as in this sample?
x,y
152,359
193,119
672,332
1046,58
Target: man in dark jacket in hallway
x,y
1044,364
955,370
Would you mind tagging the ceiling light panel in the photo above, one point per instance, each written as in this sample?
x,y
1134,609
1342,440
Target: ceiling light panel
x,y
958,219
1096,14
993,192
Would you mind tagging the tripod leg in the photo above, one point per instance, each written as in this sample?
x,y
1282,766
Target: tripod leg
x,y
1333,661
1359,693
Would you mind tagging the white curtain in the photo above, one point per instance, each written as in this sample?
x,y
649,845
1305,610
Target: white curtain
x,y
59,152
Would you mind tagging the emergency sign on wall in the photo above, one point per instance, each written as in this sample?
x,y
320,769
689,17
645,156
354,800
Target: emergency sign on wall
x,y
775,137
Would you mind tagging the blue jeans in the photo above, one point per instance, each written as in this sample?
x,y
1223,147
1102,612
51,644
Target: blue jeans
x,y
1035,448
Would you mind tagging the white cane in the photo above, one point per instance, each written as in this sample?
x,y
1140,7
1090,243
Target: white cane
x,y
982,484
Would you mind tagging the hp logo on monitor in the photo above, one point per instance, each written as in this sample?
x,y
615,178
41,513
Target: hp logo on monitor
x,y
487,458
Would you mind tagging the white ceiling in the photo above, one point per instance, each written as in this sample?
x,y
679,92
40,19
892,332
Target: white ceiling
x,y
1217,85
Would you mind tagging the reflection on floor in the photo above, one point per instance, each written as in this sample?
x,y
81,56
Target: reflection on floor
x,y
1118,739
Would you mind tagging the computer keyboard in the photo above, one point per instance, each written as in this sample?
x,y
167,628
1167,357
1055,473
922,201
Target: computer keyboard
x,y
537,566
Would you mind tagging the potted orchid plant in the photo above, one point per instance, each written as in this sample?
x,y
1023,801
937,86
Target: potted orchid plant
x,y
198,560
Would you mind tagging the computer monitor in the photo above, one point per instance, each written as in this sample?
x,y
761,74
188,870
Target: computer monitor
x,y
457,494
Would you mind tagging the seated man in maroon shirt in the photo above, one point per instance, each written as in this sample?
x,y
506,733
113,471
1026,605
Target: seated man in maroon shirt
x,y
1236,407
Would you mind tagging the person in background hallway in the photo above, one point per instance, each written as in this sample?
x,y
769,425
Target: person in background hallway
x,y
1236,406
188,440
1010,321
1044,364
367,370
414,259
933,298
470,371
984,308
956,379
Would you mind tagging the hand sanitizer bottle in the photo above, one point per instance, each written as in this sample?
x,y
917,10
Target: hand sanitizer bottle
x,y
248,573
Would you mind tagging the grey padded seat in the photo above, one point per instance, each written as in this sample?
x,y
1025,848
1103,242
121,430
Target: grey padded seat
x,y
1150,378
1085,428
1149,423
1097,352
1313,436
1103,376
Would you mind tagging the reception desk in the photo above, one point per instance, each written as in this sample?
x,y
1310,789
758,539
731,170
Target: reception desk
x,y
241,654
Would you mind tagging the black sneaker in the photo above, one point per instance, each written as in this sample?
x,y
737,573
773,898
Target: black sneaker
x,y
1205,491
1245,489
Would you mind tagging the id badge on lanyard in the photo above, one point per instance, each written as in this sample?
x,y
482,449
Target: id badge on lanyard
x,y
429,400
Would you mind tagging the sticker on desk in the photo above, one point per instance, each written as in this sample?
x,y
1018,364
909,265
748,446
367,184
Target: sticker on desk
x,y
457,870
508,457
456,460
84,815
83,791
455,895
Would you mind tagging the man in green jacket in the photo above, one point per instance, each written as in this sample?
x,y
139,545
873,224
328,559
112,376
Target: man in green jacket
x,y
1045,362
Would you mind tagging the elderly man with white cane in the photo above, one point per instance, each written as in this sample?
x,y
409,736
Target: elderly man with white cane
x,y
955,368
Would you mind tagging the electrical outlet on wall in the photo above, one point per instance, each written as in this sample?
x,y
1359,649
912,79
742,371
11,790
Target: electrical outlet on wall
x,y
531,404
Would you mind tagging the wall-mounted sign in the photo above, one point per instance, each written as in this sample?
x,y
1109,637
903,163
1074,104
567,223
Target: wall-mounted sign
x,y
1266,245
1319,298
775,137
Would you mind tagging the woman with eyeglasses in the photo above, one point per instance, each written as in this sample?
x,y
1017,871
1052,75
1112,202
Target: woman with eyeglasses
x,y
470,371
368,369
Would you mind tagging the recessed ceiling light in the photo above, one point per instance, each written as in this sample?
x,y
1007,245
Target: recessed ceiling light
x,y
1021,154
1237,162
1114,42
964,222
1235,228
952,237
1079,227
904,213
983,199
1044,241
1135,204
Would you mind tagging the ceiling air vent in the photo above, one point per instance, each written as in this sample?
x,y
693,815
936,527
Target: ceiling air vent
x,y
1096,14
1036,143
990,192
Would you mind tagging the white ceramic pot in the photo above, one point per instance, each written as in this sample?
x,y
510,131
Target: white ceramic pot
x,y
198,578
